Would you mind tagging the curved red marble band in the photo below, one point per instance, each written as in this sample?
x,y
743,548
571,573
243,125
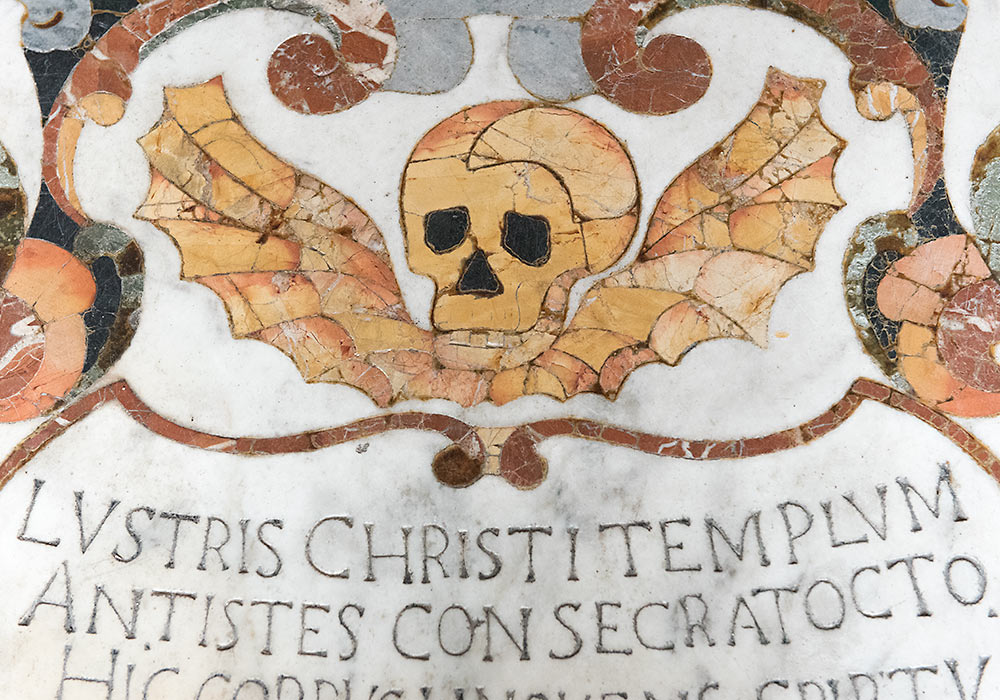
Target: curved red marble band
x,y
311,76
519,453
671,72
99,86
667,75
879,54
520,463
121,393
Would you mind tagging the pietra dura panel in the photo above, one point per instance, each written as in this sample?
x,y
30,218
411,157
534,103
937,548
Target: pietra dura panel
x,y
398,349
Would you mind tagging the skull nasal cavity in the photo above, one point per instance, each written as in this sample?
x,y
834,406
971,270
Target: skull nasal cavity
x,y
478,277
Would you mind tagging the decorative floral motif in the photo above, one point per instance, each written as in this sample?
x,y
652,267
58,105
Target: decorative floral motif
x,y
945,15
505,206
941,302
311,75
725,236
65,315
665,75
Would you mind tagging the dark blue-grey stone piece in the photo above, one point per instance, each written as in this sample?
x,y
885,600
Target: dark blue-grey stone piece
x,y
545,57
927,13
67,32
455,9
434,55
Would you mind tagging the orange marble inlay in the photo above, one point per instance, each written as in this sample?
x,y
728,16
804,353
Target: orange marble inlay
x,y
505,206
46,292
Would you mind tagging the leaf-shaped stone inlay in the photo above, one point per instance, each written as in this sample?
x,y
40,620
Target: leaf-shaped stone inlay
x,y
299,266
725,236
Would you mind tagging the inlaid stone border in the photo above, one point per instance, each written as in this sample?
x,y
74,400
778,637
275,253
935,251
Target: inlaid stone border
x,y
510,453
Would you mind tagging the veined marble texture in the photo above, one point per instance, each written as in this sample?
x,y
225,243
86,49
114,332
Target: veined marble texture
x,y
500,349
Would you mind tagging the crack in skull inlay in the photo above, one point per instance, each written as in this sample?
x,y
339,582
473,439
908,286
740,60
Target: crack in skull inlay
x,y
504,206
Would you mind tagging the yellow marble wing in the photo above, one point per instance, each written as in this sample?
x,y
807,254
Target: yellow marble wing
x,y
725,236
297,264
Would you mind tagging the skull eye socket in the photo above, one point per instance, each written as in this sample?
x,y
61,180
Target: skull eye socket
x,y
526,238
445,229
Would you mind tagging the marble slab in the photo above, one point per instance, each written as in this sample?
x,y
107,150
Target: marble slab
x,y
524,350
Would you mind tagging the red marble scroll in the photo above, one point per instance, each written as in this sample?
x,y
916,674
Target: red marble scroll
x,y
462,463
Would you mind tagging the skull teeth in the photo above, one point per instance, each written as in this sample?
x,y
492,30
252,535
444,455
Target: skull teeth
x,y
486,339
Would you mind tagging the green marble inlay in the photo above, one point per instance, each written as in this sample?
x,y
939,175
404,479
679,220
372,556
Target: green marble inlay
x,y
13,208
99,239
8,171
986,214
863,248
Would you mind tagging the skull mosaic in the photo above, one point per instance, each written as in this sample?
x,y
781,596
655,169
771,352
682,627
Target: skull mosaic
x,y
505,205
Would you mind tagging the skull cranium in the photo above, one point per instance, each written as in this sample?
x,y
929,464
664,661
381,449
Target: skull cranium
x,y
504,206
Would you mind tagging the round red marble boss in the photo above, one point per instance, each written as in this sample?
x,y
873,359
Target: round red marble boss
x,y
968,330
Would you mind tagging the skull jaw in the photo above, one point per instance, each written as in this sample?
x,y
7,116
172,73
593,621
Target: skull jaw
x,y
490,350
516,310
489,333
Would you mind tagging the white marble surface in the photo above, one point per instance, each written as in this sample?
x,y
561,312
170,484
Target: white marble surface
x,y
111,458
184,363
